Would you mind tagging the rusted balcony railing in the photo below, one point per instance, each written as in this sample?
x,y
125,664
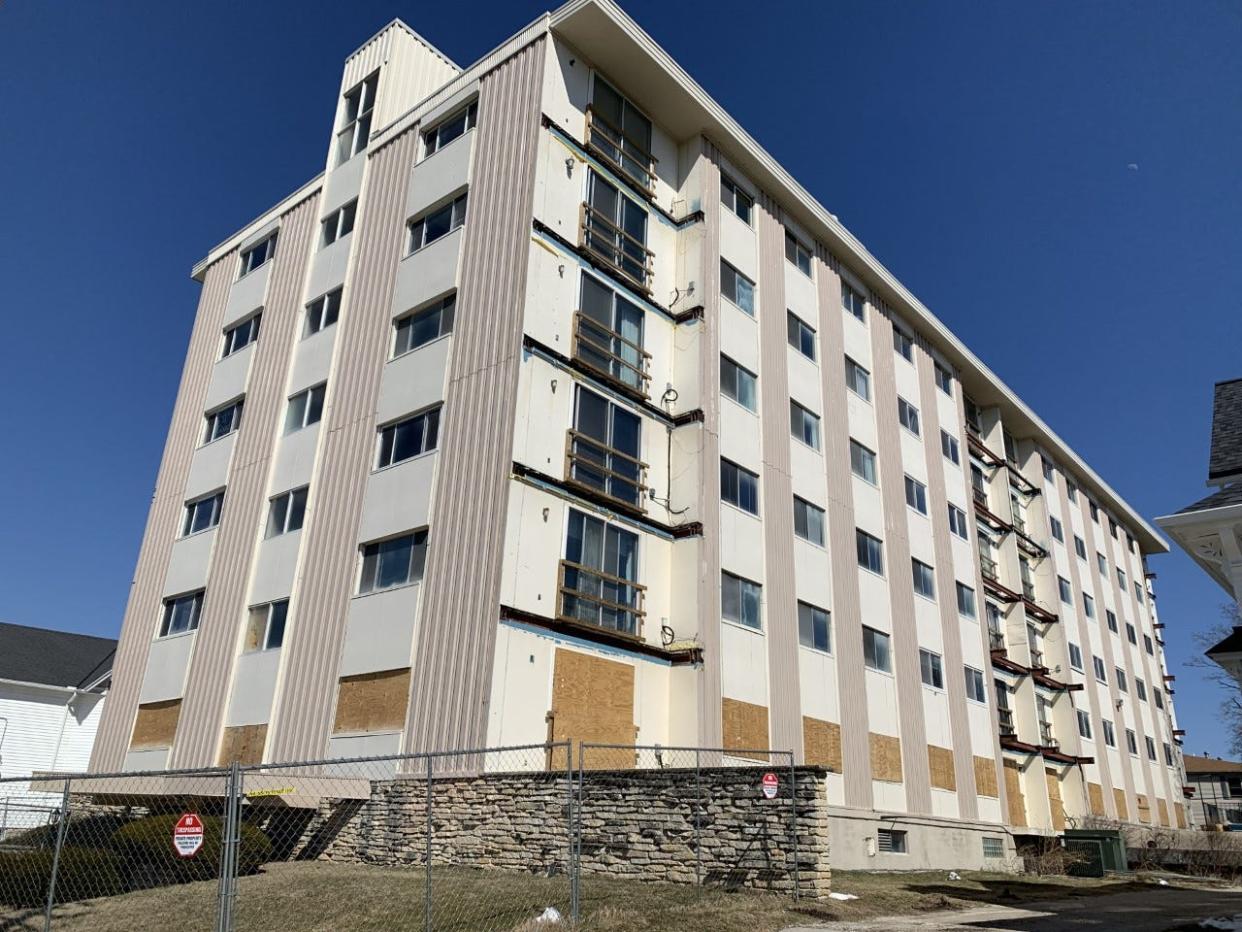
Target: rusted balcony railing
x,y
610,472
1005,720
981,495
1046,738
996,640
988,567
591,596
611,355
1037,659
1028,590
623,155
625,254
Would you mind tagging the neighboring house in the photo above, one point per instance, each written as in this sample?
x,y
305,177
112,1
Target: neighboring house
x,y
52,687
1210,530
1217,785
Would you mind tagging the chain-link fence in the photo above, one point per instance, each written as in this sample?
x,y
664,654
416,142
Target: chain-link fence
x,y
483,839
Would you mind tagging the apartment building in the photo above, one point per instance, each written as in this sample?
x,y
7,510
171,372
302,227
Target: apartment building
x,y
556,409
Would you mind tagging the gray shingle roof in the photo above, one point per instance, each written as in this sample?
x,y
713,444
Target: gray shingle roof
x,y
1229,495
54,658
1226,456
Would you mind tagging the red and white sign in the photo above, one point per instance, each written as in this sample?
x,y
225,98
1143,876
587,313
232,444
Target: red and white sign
x,y
770,783
188,835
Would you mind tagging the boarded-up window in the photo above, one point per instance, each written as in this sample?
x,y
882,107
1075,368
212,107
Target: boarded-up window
x,y
1119,800
985,777
1181,814
885,758
593,701
1013,794
156,724
1163,809
1055,804
745,728
372,702
1095,799
821,743
1144,809
940,766
243,744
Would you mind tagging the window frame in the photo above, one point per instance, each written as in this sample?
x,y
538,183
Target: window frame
x,y
168,608
931,665
903,343
866,456
923,577
797,331
469,115
855,375
216,502
873,637
416,227
976,685
415,565
798,255
950,447
742,472
908,417
874,545
237,406
812,613
738,371
738,194
267,245
802,420
320,309
917,490
357,127
338,224
853,301
742,585
730,272
387,434
286,512
443,307
944,378
250,324
809,511
967,598
269,609
311,401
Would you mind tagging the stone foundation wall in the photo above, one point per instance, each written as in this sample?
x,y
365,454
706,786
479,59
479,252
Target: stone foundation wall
x,y
650,825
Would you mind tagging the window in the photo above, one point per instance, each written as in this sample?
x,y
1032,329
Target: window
x,y
1075,656
1147,644
1071,491
944,379
408,438
853,302
1138,592
202,513
1110,737
1098,664
908,415
1095,512
740,600
857,379
949,447
1080,547
975,689
808,521
924,579
798,254
339,223
322,312
930,669
420,327
620,132
957,523
265,628
890,841
393,562
1130,542
862,463
1121,578
305,408
737,288
615,230
1102,562
1140,689
737,383
1132,742
966,604
1232,786
1111,618
258,255
877,652
916,495
1158,696
993,847
604,450
813,628
1122,684
903,344
609,335
739,487
1088,605
241,335
286,512
804,425
801,337
737,200
1047,466
1063,588
600,575
1151,747
181,613
223,421
440,222
1168,754
1058,530
355,131
1084,724
447,130
870,552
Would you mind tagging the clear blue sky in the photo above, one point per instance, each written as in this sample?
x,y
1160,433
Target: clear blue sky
x,y
980,149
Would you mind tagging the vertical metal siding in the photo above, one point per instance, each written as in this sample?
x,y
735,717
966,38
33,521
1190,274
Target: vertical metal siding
x,y
307,693
163,520
897,555
946,578
846,605
781,603
451,685
224,605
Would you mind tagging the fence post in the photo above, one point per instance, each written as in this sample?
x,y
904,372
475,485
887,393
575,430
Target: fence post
x,y
570,833
698,818
60,841
576,906
427,855
793,801
229,843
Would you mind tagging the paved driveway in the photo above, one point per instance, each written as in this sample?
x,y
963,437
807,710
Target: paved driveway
x,y
1155,910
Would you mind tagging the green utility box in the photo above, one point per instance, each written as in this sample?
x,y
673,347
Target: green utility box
x,y
1105,851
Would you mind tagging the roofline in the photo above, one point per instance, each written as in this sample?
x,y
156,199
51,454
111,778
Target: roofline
x,y
399,22
1218,515
50,687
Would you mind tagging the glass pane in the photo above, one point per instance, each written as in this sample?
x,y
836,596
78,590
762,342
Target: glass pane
x,y
420,556
297,510
296,412
607,102
276,624
424,327
432,429
730,597
314,407
277,515
437,224
592,416
394,562
408,439
370,562
626,430
256,626
750,604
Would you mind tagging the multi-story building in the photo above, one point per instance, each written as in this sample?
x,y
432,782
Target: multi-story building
x,y
556,409
1217,791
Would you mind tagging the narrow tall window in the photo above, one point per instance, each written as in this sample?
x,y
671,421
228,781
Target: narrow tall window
x,y
1100,672
450,128
258,255
323,312
976,691
1084,724
808,521
393,562
181,613
621,133
202,513
804,425
355,131
305,408
1122,683
1058,532
870,551
958,525
615,231
265,628
944,379
857,379
949,447
1088,605
966,604
798,254
924,579
738,384
740,600
801,336
908,415
931,671
608,335
408,438
903,344
420,327
814,629
877,652
339,223
241,335
1064,590
736,199
853,302
605,446
739,487
737,288
1075,656
223,421
916,495
599,576
431,226
1131,742
1111,618
286,512
1110,737
862,463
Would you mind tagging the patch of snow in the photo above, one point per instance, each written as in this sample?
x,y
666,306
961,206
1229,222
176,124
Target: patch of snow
x,y
842,896
1225,923
549,915
954,875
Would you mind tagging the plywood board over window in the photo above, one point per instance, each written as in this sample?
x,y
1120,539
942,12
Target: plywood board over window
x,y
1181,814
940,768
1055,804
1013,793
243,744
1144,809
1119,800
745,728
1095,799
156,724
821,743
593,701
985,777
885,758
1164,812
371,702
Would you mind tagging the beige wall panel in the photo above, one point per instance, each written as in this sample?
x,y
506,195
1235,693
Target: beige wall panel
x,y
593,701
985,776
885,758
940,766
155,725
745,728
242,744
821,743
372,701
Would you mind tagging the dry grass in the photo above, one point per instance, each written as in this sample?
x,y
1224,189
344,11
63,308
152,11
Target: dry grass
x,y
320,896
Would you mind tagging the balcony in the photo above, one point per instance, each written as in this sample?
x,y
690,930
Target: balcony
x,y
616,359
1046,737
1037,659
1028,590
988,567
996,641
589,596
618,250
1005,720
981,495
612,473
622,155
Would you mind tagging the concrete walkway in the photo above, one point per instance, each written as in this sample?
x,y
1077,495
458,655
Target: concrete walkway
x,y
1157,910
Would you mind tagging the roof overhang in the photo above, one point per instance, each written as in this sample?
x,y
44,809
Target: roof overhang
x,y
1210,538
